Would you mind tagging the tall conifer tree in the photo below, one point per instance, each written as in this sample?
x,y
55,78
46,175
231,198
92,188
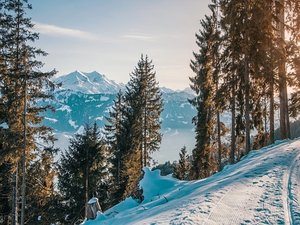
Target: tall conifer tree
x,y
23,86
203,85
83,173
144,98
136,128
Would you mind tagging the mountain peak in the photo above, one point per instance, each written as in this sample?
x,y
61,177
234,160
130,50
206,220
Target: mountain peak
x,y
88,83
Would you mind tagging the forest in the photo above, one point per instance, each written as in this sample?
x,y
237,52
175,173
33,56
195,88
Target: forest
x,y
247,64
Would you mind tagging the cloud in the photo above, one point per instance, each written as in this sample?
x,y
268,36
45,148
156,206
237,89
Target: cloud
x,y
54,30
138,37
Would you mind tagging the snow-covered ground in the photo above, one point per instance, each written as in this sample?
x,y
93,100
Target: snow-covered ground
x,y
263,188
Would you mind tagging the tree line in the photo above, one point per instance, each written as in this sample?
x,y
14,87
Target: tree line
x,y
248,54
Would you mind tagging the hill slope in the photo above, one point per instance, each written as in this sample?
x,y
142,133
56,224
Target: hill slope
x,y
263,188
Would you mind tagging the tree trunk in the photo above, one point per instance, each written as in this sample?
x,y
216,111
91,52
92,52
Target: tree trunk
x,y
284,116
219,142
118,167
287,119
24,152
247,106
233,138
145,150
86,183
272,126
15,198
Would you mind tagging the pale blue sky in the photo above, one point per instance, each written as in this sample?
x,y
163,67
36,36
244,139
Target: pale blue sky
x,y
110,35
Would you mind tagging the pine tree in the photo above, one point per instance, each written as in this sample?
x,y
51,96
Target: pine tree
x,y
140,127
23,86
182,169
216,41
144,98
202,84
250,67
236,24
113,133
41,192
282,77
83,173
292,11
115,141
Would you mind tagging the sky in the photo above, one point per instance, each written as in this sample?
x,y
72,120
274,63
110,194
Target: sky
x,y
109,36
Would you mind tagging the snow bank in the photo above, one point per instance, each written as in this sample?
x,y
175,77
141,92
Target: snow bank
x,y
154,185
154,188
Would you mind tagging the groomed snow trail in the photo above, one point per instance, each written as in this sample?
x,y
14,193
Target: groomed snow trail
x,y
263,188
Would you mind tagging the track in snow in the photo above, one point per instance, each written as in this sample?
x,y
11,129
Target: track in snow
x,y
293,192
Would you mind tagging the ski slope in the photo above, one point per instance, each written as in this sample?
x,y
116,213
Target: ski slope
x,y
263,188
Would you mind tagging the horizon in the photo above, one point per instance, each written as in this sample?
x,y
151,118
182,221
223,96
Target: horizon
x,y
109,37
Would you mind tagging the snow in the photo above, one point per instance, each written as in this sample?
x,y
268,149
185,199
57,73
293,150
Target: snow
x,y
182,105
73,123
154,186
93,200
51,119
80,130
263,188
64,108
88,83
4,125
104,99
166,90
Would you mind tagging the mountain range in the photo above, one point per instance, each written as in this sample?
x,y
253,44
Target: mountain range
x,y
87,97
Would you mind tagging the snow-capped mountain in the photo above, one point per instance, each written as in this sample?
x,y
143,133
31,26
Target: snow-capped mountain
x,y
88,83
87,97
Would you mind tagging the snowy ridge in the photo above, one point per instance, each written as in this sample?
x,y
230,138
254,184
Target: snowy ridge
x,y
88,83
263,188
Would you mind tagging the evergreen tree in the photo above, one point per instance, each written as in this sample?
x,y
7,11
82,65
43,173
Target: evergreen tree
x,y
292,10
113,138
202,84
250,67
83,172
41,192
235,23
144,99
166,168
140,130
216,42
182,169
22,87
